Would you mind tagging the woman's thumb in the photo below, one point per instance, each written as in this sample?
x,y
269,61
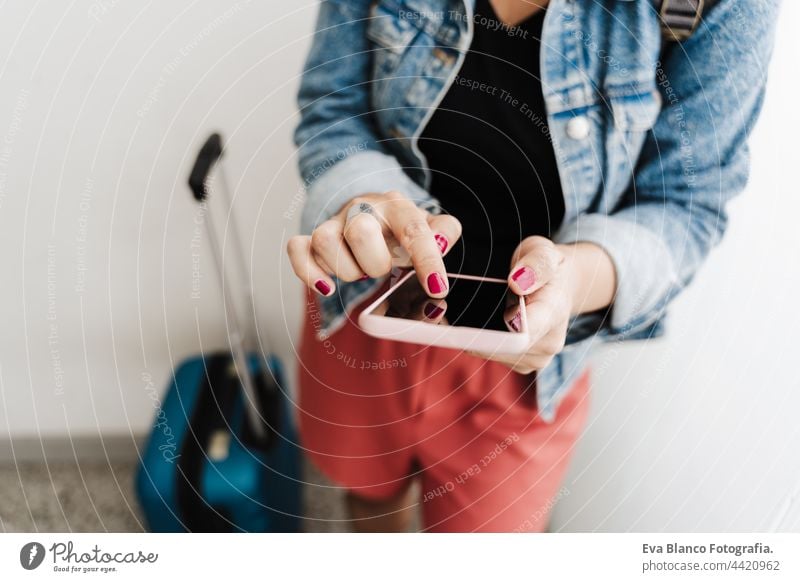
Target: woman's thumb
x,y
536,261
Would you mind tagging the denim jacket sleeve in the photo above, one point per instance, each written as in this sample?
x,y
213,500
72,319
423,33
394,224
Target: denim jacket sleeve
x,y
340,154
692,163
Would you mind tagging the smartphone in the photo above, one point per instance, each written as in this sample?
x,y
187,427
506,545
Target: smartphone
x,y
471,317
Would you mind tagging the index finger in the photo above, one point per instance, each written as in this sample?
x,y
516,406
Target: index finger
x,y
410,227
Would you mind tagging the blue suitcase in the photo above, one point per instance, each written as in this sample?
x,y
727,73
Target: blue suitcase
x,y
223,453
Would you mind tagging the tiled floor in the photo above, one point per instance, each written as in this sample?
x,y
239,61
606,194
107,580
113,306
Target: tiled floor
x,y
89,497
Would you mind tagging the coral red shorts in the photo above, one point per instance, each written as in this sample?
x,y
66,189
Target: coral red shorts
x,y
376,414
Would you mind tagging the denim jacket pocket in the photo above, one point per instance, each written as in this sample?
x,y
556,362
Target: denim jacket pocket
x,y
636,112
633,115
630,115
390,36
391,33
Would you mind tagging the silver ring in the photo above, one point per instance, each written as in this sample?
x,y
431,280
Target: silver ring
x,y
360,208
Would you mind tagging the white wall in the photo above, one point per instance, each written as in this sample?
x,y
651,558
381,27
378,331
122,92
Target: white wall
x,y
105,105
700,431
102,105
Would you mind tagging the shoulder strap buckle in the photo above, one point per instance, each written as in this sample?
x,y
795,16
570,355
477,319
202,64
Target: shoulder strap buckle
x,y
679,18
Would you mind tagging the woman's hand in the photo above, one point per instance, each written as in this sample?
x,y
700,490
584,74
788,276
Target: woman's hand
x,y
380,228
557,282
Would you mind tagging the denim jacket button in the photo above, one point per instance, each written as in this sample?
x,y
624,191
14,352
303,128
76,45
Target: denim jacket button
x,y
578,127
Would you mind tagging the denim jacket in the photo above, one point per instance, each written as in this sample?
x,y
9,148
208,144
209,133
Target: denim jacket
x,y
650,140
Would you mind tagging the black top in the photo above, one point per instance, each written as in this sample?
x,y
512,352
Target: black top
x,y
488,147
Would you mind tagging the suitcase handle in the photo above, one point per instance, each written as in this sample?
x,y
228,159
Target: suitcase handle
x,y
206,158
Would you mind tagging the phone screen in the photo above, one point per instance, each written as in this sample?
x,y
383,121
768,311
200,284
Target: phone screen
x,y
469,303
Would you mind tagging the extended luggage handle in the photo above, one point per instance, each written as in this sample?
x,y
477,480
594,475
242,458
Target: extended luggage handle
x,y
208,155
207,159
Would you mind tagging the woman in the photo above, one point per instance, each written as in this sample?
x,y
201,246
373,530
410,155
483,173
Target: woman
x,y
563,145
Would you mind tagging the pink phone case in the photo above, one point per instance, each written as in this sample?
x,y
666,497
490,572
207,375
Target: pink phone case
x,y
432,334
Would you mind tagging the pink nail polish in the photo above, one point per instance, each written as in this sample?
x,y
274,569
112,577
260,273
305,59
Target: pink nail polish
x,y
441,241
364,278
432,311
322,287
515,322
524,277
436,284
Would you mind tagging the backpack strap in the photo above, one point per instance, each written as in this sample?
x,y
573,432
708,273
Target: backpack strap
x,y
679,18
